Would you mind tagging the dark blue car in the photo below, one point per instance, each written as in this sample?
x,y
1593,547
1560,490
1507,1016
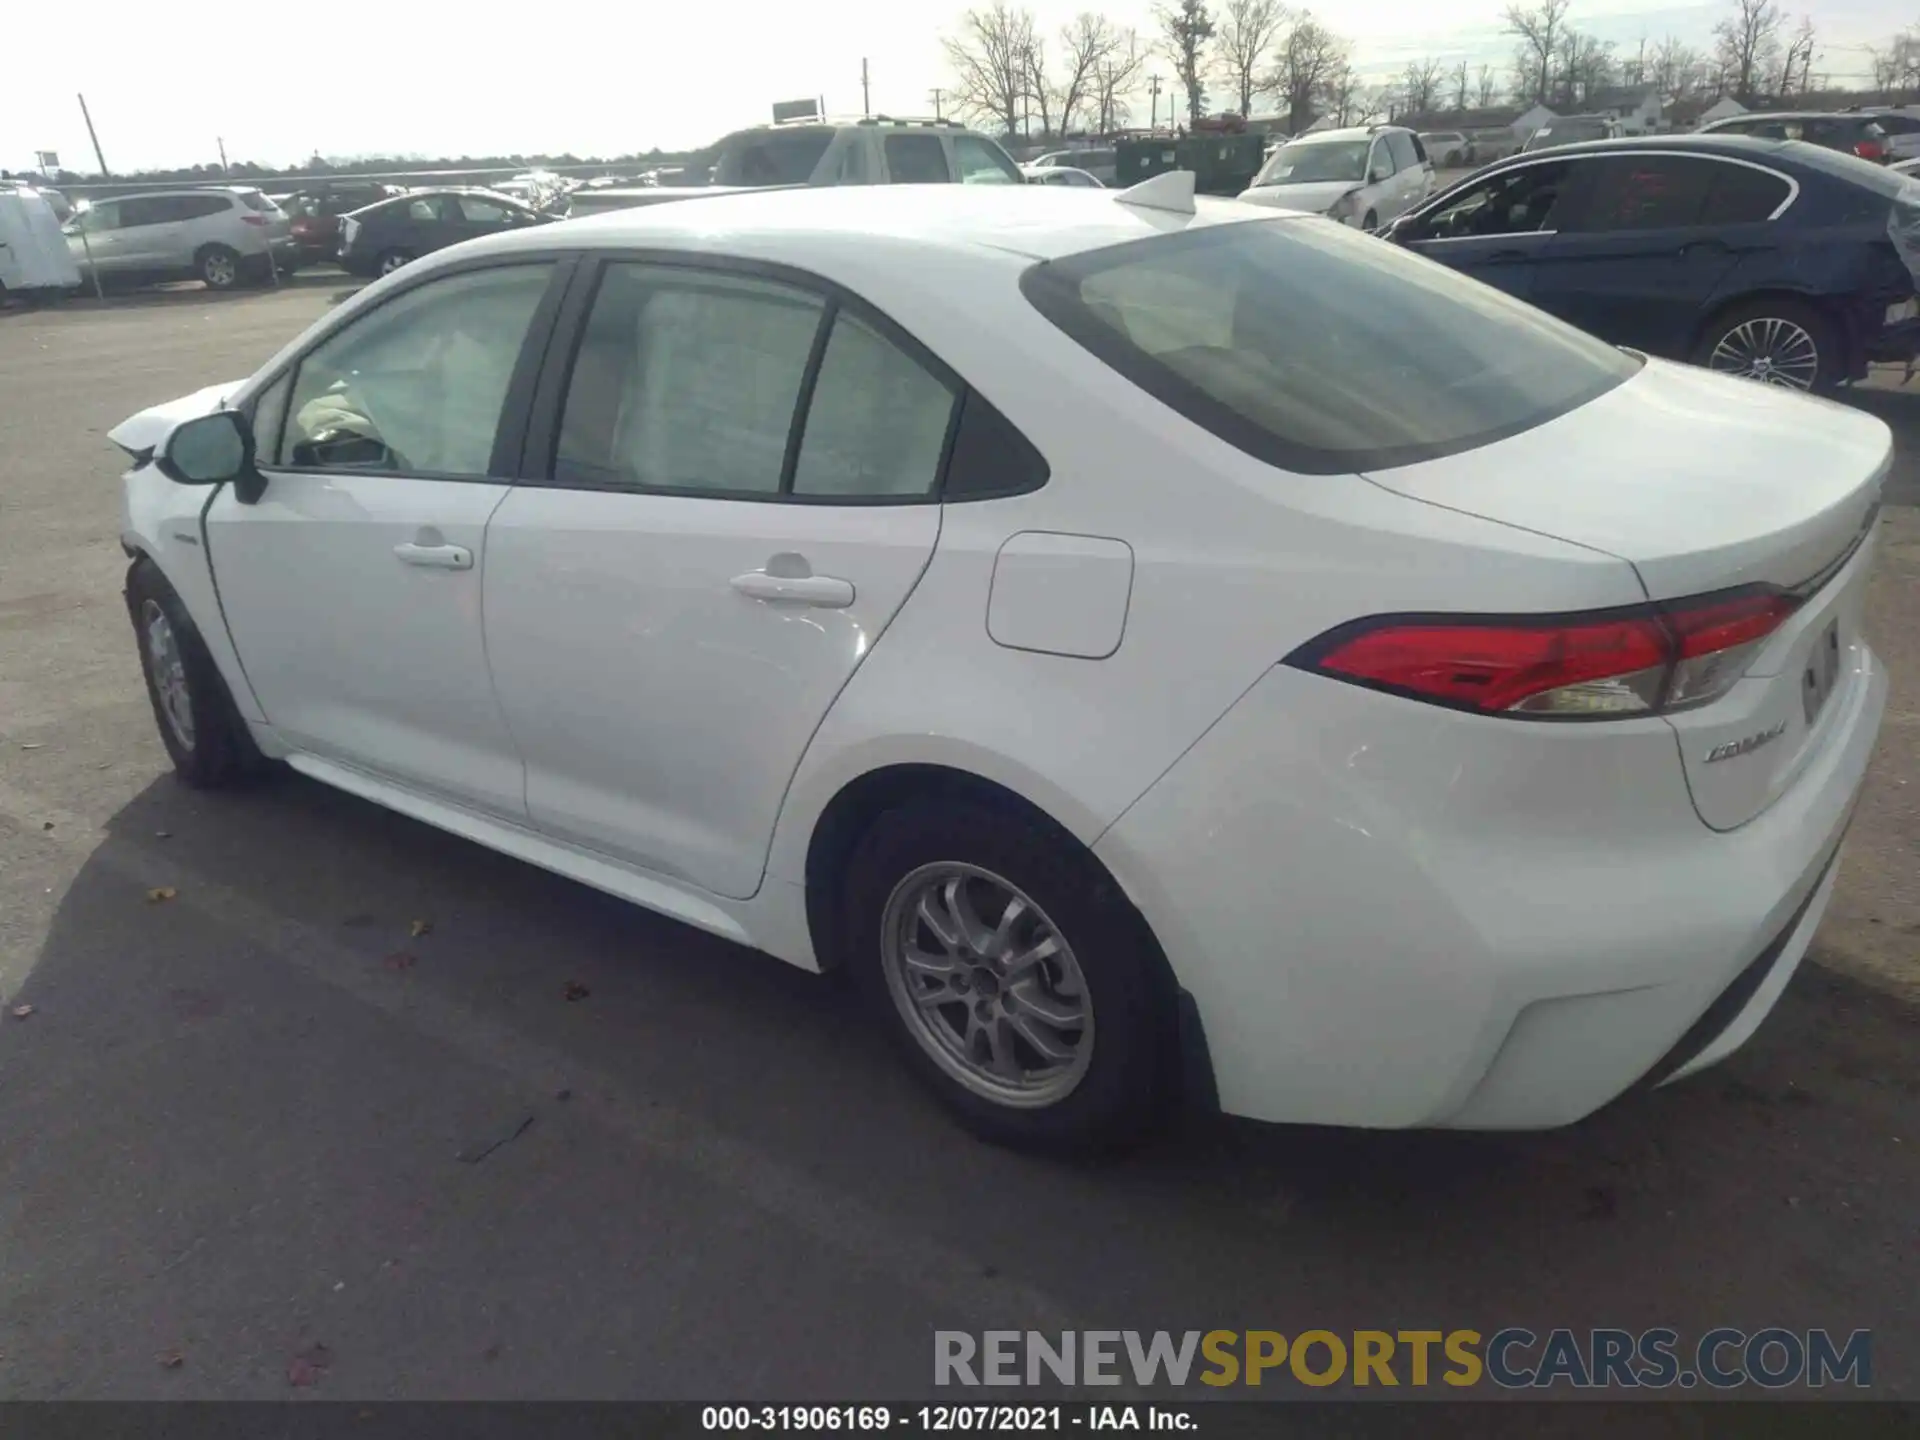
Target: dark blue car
x,y
1771,259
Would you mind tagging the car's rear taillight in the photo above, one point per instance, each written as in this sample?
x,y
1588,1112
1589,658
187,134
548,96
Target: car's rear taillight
x,y
252,219
1601,664
1870,150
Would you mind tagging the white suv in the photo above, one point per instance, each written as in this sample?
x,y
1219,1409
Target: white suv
x,y
219,235
1363,176
873,150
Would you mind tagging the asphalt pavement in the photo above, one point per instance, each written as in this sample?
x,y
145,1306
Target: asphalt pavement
x,y
316,1101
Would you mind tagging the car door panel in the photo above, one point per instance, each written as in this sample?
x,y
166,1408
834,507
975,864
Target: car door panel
x,y
1641,259
352,588
688,697
357,650
1505,262
1500,230
673,607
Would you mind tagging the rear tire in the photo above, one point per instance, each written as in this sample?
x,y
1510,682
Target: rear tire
x,y
390,261
1025,925
1775,340
205,736
1371,223
218,267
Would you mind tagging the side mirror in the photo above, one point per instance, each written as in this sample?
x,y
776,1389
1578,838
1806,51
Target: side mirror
x,y
1399,229
213,450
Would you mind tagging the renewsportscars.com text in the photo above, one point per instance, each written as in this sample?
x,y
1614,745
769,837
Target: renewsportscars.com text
x,y
1512,1358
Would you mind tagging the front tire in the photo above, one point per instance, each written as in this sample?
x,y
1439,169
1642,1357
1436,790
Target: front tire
x,y
1020,985
205,736
1777,341
218,267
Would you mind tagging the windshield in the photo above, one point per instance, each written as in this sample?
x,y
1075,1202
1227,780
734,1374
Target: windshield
x,y
1305,162
1321,350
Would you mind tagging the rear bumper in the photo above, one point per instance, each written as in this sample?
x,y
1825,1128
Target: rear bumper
x,y
1390,916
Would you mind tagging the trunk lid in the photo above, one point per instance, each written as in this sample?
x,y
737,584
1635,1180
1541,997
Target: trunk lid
x,y
138,434
1699,481
1703,483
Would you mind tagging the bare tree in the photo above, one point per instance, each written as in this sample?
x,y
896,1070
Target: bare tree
x,y
990,57
1796,70
1185,29
1886,65
1486,86
1340,92
1674,69
1377,102
1584,68
1537,32
1247,31
1633,68
1746,45
1115,79
1084,47
1307,62
1039,88
1459,85
1419,84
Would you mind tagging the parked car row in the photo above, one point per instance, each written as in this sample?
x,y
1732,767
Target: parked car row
x,y
222,235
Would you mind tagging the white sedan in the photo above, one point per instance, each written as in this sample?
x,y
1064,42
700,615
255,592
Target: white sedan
x,y
1188,652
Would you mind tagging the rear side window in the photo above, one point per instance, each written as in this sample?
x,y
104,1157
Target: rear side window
x,y
877,422
1647,192
916,160
1318,349
1742,195
198,207
1405,157
981,162
771,157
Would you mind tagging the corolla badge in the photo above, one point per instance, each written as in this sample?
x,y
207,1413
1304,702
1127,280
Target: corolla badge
x,y
1748,745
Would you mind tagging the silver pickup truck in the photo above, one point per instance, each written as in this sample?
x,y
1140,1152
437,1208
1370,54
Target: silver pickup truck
x,y
871,150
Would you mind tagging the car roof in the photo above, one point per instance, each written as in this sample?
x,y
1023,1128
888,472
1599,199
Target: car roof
x,y
1796,115
181,190
832,228
1350,132
1747,146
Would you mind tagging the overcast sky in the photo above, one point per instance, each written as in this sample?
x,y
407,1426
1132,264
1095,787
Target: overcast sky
x,y
281,82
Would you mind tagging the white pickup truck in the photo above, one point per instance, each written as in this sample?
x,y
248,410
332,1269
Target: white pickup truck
x,y
871,150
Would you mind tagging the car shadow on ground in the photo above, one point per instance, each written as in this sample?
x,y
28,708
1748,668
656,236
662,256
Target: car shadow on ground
x,y
243,921
185,292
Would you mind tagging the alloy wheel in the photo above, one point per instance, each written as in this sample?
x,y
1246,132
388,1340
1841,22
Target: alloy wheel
x,y
987,985
1770,349
391,263
219,271
168,672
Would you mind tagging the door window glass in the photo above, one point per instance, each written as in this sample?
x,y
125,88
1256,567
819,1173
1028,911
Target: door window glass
x,y
145,210
485,212
1401,144
878,420
426,208
1647,192
199,207
1379,162
1742,195
916,160
686,381
102,215
981,162
416,385
1511,203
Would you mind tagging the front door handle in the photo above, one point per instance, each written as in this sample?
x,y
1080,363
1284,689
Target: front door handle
x,y
826,591
435,557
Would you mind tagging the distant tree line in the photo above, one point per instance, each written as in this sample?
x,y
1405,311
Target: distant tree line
x,y
367,165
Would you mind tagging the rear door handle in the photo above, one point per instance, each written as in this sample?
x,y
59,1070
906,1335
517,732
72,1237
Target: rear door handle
x,y
435,557
826,591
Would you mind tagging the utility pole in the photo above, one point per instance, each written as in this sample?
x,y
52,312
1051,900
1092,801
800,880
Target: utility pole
x,y
104,172
223,153
866,100
937,93
1153,91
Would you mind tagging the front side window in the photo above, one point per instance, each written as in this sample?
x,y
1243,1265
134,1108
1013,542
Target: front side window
x,y
425,208
199,207
686,381
916,160
1742,195
1513,202
417,385
145,210
1318,349
1312,162
981,162
1404,155
99,216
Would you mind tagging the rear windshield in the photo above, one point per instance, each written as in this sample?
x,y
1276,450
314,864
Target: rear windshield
x,y
254,200
771,157
1319,349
